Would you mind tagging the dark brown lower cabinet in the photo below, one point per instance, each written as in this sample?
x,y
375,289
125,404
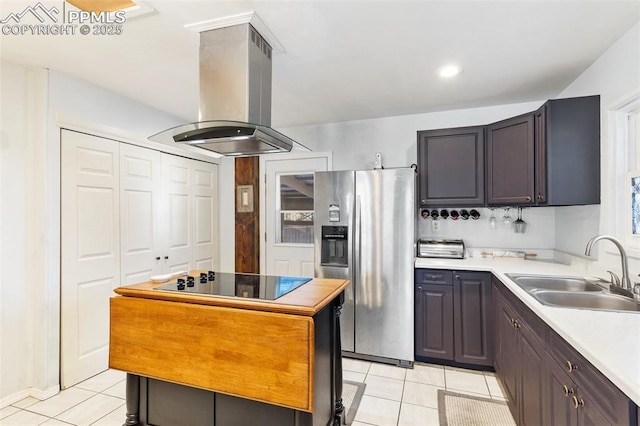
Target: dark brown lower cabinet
x,y
434,315
560,389
521,357
454,317
532,359
546,381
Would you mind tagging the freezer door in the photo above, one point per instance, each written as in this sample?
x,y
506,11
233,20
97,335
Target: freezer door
x,y
383,251
333,212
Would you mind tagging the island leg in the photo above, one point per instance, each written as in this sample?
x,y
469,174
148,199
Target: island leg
x,y
337,374
133,400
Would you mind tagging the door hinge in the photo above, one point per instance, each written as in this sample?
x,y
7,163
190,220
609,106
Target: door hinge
x,y
265,178
265,237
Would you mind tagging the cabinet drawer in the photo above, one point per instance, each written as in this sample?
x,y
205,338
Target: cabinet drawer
x,y
607,398
434,277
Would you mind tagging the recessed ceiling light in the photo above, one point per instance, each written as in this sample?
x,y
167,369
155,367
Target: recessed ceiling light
x,y
449,71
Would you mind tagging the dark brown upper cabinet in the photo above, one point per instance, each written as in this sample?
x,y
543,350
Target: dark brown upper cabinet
x,y
548,157
510,161
570,134
451,167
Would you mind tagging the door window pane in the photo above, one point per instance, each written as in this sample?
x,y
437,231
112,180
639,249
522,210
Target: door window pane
x,y
295,207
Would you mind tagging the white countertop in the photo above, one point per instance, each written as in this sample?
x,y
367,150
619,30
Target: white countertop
x,y
609,340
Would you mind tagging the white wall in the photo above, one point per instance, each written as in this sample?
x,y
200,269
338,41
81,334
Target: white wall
x,y
15,370
34,102
615,75
539,234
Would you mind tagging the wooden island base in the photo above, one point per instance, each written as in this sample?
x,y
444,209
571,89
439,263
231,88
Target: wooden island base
x,y
189,363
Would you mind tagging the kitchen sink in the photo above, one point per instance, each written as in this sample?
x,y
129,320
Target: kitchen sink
x,y
587,300
574,292
548,282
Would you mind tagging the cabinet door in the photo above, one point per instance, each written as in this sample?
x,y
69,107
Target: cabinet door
x,y
510,161
531,366
588,414
557,396
509,355
497,307
434,321
473,318
573,151
451,167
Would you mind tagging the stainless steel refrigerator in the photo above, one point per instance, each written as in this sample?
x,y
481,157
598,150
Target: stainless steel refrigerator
x,y
364,232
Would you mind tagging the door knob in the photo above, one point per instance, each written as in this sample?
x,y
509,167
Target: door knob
x,y
157,257
166,258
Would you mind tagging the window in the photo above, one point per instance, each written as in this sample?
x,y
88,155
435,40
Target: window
x,y
623,163
295,208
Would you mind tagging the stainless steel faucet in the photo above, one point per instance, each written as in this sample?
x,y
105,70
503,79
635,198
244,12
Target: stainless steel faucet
x,y
626,281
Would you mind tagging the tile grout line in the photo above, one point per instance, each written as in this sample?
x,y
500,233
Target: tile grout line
x,y
109,413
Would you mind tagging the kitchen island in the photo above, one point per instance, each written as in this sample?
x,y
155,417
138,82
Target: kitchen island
x,y
242,358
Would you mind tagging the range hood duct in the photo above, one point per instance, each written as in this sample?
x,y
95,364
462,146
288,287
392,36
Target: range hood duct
x,y
235,97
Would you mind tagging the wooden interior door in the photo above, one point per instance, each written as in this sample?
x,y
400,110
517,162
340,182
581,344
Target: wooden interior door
x,y
90,252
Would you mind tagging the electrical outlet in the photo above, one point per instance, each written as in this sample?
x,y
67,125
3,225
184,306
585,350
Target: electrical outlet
x,y
435,225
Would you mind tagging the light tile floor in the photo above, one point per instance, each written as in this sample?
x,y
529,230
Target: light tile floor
x,y
393,396
397,396
97,401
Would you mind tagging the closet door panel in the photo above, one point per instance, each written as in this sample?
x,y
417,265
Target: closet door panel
x,y
140,213
205,221
90,252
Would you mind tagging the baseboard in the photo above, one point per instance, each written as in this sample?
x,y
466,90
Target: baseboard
x,y
10,399
44,394
36,393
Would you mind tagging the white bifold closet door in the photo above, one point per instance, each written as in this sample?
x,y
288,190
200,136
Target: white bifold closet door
x,y
140,214
128,213
191,214
90,252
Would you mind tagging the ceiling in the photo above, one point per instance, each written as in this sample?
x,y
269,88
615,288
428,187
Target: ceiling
x,y
348,60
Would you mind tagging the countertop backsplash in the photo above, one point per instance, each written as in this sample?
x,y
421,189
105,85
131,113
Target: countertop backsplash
x,y
539,234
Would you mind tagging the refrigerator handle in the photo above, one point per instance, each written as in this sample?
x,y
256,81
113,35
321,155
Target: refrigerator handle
x,y
356,243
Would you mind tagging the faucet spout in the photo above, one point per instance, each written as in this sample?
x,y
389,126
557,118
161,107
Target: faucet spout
x,y
626,281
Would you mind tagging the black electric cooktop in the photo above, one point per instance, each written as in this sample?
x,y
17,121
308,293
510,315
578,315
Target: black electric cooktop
x,y
250,286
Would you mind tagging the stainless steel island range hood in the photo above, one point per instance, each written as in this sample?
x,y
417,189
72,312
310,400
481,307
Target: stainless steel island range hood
x,y
235,97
